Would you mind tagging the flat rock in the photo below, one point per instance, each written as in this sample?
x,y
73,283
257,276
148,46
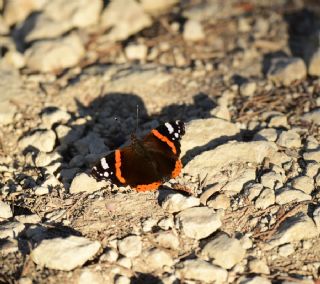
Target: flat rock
x,y
5,210
295,228
200,270
11,229
224,251
43,140
198,222
130,246
133,19
56,54
285,70
64,253
202,134
211,162
265,199
289,139
287,195
85,183
304,183
312,116
177,202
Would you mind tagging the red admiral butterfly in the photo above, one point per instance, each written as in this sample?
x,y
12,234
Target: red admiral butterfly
x,y
146,163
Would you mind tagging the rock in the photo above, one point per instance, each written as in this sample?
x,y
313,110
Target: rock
x,y
312,168
92,143
206,134
41,190
5,210
155,259
312,156
8,246
166,223
198,222
53,115
148,224
211,162
311,143
68,135
200,270
286,250
177,202
224,251
258,266
295,228
221,201
248,89
265,199
85,183
56,54
14,58
193,31
130,246
266,134
121,279
289,139
236,184
312,116
133,19
125,262
90,276
44,159
110,255
271,179
136,52
167,240
43,140
154,7
252,190
255,280
10,229
64,253
314,63
316,217
7,112
51,181
28,219
287,195
278,121
285,70
222,112
303,183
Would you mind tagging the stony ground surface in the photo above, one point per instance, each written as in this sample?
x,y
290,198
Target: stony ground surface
x,y
243,75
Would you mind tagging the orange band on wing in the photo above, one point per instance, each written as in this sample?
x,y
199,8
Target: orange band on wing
x,y
147,187
118,165
177,169
164,139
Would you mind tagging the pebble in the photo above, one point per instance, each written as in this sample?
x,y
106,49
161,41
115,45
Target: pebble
x,y
193,31
200,270
54,115
266,134
314,63
130,246
312,116
156,259
43,140
312,156
110,255
312,168
55,54
224,251
85,183
255,280
287,195
235,185
303,183
198,222
133,19
121,279
286,250
271,179
167,240
248,89
289,139
44,159
166,223
278,121
136,52
125,262
5,210
90,276
177,202
265,199
64,253
148,224
285,70
221,201
258,266
41,190
10,229
28,219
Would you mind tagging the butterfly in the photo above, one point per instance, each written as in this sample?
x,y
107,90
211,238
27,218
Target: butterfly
x,y
146,163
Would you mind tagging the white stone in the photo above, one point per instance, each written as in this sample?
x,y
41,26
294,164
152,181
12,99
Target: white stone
x,y
304,183
287,70
166,223
167,240
136,51
133,19
248,89
266,134
64,253
43,140
41,190
11,229
198,222
286,250
54,115
125,262
56,54
224,251
177,202
193,31
130,246
289,139
287,195
44,159
110,255
5,210
258,266
200,270
265,199
85,183
148,224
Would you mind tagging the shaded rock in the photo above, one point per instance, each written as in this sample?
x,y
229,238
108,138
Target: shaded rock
x,y
10,229
287,194
316,217
198,222
193,31
43,140
85,183
285,70
304,183
312,116
130,246
57,54
64,253
265,199
133,19
92,143
8,246
177,202
289,139
200,270
5,210
224,251
54,115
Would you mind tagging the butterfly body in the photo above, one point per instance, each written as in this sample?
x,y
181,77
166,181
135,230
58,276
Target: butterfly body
x,y
145,164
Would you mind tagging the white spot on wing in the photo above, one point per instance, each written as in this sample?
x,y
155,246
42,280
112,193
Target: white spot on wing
x,y
106,174
176,135
169,127
104,164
